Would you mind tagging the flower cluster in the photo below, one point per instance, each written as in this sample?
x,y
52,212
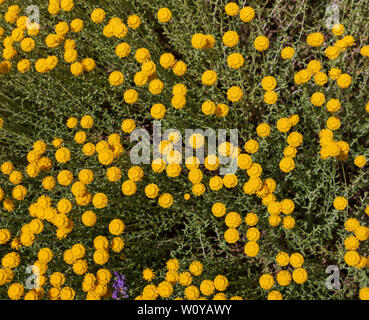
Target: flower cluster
x,y
188,284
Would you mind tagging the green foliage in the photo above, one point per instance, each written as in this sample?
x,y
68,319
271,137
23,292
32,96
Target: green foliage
x,y
36,106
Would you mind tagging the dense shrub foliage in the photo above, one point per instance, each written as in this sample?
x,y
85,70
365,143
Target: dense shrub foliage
x,y
77,84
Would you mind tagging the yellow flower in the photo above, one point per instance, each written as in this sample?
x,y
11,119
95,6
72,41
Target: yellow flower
x,y
315,39
164,15
28,44
230,180
251,146
334,73
320,78
284,278
100,200
299,275
167,60
364,51
230,38
209,77
66,5
98,15
364,293
221,110
101,256
247,14
344,80
287,206
192,293
234,94
88,64
287,164
218,209
134,21
360,161
116,227
178,101
235,60
270,97
295,139
128,125
158,111
362,233
89,218
221,283
129,188
80,137
338,29
268,83
231,235
198,41
80,267
288,222
87,122
282,259
340,203
165,200
287,53
302,76
232,9
251,249
333,123
261,43
233,220
15,291
333,105
180,68
116,78
122,50
332,52
266,281
253,234
275,295
207,287
208,107
283,125
251,219
88,149
314,66
196,268
156,86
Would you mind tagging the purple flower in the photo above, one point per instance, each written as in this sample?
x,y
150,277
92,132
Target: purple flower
x,y
120,287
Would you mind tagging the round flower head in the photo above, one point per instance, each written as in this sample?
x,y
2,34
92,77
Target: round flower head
x,y
360,161
235,60
164,15
266,281
268,83
251,249
287,53
247,14
261,43
338,29
270,97
315,39
196,268
209,77
234,94
134,21
230,38
344,80
232,9
340,203
317,99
